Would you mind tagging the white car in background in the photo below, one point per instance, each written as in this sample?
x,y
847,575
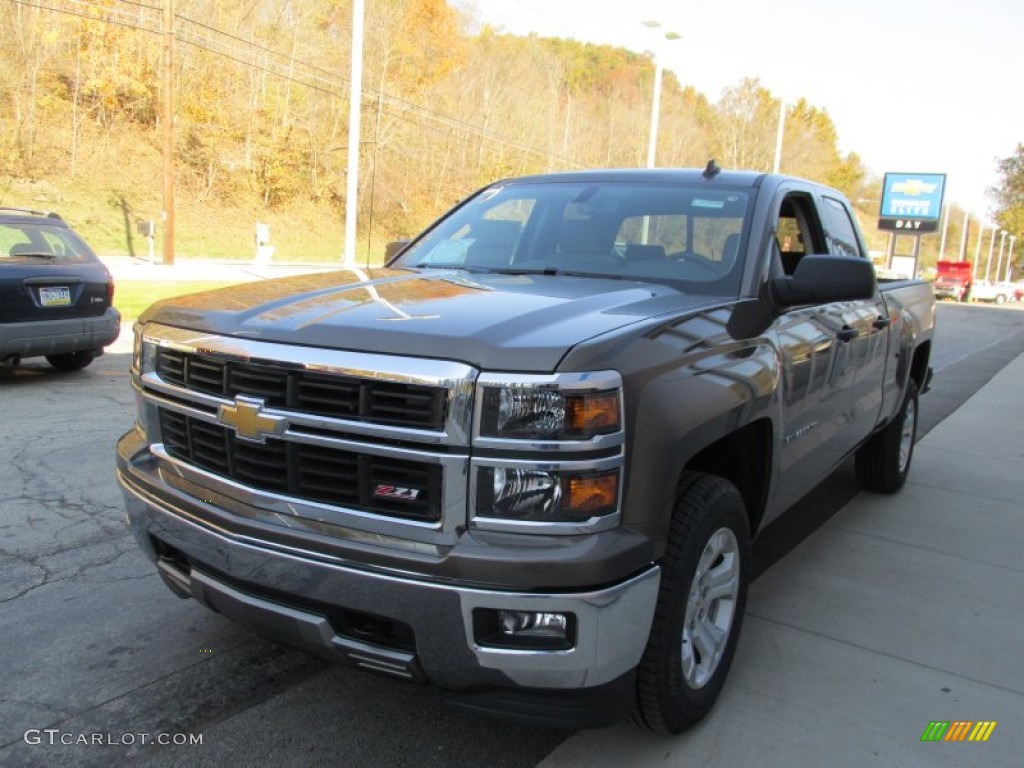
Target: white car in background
x,y
986,290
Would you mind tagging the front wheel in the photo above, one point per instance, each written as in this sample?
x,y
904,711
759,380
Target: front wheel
x,y
703,594
883,462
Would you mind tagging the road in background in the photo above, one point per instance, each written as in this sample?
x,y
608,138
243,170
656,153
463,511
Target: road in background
x,y
96,644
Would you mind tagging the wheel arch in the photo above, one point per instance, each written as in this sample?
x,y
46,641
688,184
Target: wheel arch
x,y
919,364
744,458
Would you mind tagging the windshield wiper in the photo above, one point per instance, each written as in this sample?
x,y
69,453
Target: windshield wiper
x,y
552,271
461,267
36,255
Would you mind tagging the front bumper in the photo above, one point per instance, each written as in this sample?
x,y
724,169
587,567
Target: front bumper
x,y
57,337
296,597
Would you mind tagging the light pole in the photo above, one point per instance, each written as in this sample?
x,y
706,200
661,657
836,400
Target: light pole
x,y
962,253
945,230
1009,258
652,141
778,136
977,251
991,247
354,109
1002,244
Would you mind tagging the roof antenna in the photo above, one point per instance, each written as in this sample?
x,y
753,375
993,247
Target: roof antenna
x,y
711,170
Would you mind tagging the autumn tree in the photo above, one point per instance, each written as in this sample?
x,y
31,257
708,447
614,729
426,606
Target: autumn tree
x,y
1008,193
746,125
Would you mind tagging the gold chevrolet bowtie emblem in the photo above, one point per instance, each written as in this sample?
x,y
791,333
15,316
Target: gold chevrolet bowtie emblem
x,y
249,421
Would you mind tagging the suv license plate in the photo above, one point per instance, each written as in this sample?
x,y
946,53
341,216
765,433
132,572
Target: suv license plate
x,y
55,297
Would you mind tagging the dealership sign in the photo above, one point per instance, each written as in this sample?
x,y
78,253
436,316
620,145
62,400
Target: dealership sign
x,y
912,202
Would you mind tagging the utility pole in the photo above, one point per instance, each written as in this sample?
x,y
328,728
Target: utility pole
x,y
168,118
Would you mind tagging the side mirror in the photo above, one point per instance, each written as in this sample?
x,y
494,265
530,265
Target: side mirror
x,y
822,279
392,249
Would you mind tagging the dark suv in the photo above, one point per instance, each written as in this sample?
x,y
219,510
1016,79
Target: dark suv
x,y
56,297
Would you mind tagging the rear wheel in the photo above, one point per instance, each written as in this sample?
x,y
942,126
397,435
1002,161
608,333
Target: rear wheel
x,y
883,462
700,607
71,361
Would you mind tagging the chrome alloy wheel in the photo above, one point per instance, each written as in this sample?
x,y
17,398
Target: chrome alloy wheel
x,y
907,432
710,608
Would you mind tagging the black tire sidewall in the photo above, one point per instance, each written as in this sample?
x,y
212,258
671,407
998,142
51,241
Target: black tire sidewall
x,y
71,361
707,504
878,461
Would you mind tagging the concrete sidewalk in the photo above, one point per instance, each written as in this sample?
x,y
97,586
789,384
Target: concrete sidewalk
x,y
899,611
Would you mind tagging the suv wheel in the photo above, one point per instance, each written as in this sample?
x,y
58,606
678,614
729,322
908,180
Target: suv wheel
x,y
71,361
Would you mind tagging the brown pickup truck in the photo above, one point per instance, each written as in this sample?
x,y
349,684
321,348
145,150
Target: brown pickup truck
x,y
525,460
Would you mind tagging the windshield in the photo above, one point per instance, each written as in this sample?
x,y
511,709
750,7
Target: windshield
x,y
685,235
34,241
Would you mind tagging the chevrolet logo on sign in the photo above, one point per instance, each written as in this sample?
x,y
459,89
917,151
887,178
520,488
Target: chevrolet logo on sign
x,y
250,423
914,187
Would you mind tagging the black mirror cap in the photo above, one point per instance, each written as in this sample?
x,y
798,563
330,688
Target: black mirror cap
x,y
822,279
392,249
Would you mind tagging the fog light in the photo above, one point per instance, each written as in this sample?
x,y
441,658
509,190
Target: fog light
x,y
526,623
526,630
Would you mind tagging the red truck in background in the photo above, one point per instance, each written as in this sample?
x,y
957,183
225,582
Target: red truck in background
x,y
953,281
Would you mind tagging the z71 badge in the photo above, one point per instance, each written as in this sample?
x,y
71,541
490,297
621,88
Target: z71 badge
x,y
396,492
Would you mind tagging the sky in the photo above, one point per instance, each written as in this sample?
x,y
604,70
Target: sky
x,y
911,86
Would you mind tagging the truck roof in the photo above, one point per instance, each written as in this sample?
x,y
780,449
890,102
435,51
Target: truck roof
x,y
691,176
648,175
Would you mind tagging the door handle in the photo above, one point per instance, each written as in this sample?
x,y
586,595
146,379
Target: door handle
x,y
881,322
848,333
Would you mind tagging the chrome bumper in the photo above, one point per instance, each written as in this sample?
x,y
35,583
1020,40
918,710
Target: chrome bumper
x,y
251,583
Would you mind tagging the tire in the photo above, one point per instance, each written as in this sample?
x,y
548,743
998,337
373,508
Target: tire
x,y
883,462
1000,299
678,679
71,361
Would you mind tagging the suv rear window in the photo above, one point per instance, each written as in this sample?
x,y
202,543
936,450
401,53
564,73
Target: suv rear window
x,y
24,242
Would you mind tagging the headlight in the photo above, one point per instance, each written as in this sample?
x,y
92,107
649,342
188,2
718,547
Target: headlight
x,y
574,406
137,346
143,351
572,426
546,496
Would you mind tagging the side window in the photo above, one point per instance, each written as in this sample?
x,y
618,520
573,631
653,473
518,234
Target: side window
x,y
798,231
840,228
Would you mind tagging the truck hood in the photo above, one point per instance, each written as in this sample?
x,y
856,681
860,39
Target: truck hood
x,y
488,320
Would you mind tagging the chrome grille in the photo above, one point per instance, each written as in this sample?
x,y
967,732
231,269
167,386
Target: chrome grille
x,y
361,399
308,472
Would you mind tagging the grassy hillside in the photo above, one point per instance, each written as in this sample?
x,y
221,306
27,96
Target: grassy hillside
x,y
117,180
